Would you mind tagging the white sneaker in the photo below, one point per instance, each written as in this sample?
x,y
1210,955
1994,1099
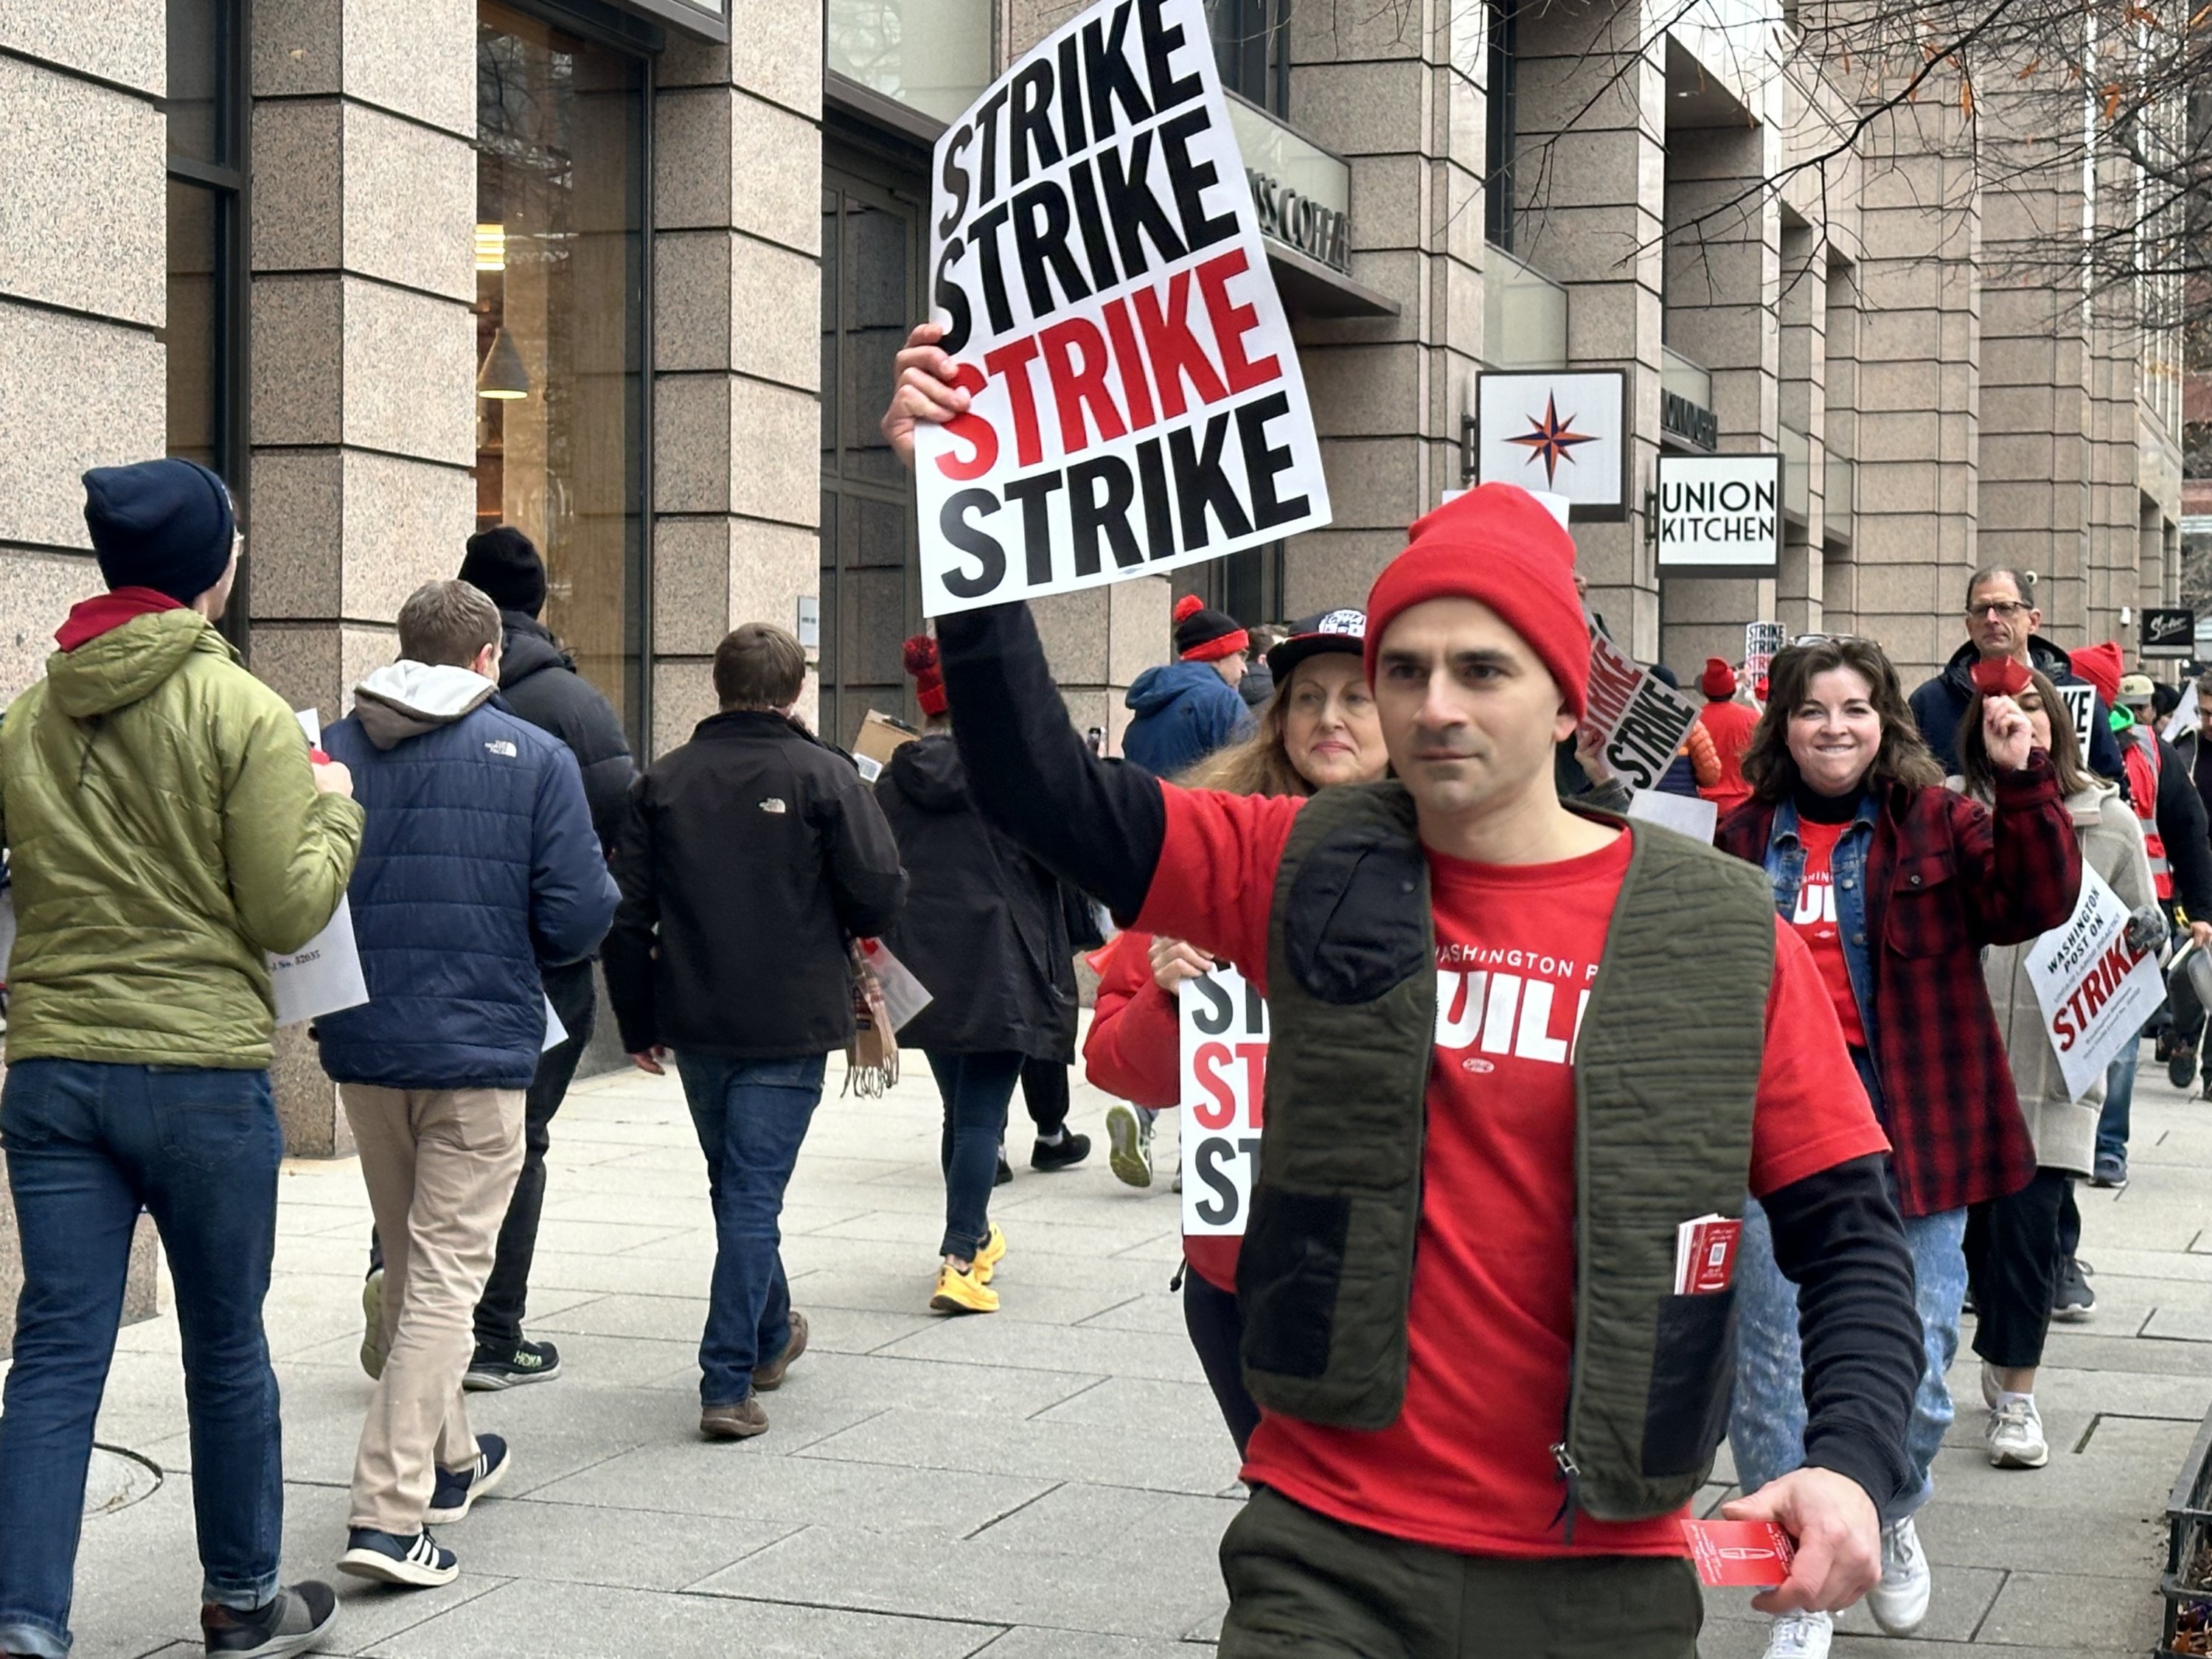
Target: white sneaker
x,y
2014,1435
1990,1387
1800,1636
1899,1602
1129,1136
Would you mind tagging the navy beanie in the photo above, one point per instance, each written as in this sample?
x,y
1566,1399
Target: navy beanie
x,y
167,525
503,563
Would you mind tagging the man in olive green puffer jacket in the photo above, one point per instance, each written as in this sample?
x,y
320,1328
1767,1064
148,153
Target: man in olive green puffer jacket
x,y
166,829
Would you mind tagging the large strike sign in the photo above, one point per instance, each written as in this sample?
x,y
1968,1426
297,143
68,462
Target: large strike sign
x,y
1224,1081
1095,257
1637,720
2095,991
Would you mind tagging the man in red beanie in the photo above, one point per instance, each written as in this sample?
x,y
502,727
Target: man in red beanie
x,y
1729,724
1489,1376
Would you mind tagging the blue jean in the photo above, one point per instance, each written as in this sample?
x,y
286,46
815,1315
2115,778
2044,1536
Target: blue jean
x,y
751,1117
2119,1098
89,1144
975,1089
1766,1420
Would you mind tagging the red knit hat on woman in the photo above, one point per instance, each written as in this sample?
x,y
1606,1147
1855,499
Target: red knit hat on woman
x,y
1499,546
921,655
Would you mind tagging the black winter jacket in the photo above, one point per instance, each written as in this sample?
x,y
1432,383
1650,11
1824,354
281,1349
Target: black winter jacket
x,y
751,854
984,928
539,681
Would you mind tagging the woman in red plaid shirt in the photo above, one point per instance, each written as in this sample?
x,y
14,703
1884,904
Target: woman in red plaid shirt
x,y
1896,883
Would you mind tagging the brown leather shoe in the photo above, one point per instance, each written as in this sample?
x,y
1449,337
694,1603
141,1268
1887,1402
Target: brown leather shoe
x,y
739,1422
770,1376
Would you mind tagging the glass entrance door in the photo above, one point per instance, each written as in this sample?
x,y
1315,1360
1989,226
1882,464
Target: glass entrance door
x,y
871,259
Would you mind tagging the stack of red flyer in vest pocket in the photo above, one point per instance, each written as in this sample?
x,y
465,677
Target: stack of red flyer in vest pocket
x,y
1704,1254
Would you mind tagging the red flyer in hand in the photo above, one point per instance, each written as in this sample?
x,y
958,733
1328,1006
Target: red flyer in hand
x,y
1752,1554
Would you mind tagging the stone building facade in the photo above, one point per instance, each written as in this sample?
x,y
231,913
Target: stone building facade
x,y
631,277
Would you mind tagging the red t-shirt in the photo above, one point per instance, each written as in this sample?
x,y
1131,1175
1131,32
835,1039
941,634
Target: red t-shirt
x,y
1814,919
1468,1465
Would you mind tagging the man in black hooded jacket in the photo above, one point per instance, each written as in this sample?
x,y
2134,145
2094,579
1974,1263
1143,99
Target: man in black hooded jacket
x,y
538,682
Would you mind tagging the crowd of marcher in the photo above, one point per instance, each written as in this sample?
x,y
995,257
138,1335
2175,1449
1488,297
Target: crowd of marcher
x,y
1518,1040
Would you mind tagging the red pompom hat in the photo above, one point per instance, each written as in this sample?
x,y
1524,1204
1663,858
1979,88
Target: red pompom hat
x,y
1204,636
921,655
1501,547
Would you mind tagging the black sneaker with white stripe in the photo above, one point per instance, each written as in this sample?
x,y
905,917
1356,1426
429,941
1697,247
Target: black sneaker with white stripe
x,y
459,1489
294,1620
494,1369
417,1563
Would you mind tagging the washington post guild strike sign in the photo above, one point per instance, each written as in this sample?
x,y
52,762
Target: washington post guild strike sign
x,y
1720,510
1224,1084
1561,434
1096,262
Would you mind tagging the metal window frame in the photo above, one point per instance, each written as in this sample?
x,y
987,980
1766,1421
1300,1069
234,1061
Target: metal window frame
x,y
232,186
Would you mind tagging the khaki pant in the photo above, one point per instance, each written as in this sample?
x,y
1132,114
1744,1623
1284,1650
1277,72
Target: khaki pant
x,y
439,1165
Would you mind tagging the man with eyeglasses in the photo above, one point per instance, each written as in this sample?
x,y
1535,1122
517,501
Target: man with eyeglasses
x,y
2002,618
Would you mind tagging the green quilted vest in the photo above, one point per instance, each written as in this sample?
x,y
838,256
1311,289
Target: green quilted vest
x,y
1666,1071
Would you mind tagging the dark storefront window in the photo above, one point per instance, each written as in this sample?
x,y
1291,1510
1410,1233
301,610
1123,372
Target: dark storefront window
x,y
1252,46
205,331
1504,75
560,331
871,257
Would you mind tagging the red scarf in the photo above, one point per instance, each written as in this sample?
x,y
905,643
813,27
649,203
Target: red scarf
x,y
89,619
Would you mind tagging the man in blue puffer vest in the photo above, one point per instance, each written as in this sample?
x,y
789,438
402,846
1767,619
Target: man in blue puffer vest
x,y
478,864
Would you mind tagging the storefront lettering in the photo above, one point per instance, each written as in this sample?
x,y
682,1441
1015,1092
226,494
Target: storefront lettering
x,y
1320,233
1681,418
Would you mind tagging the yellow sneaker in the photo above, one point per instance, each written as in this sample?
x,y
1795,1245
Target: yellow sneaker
x,y
959,1293
992,1253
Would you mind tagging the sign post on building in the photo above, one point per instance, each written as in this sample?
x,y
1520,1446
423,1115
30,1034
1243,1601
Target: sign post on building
x,y
2169,634
1097,263
1719,514
1566,435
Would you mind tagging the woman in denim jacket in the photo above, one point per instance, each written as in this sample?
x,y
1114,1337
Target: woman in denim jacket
x,y
1896,883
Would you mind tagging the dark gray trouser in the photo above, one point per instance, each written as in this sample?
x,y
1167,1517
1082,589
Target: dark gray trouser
x,y
1302,1586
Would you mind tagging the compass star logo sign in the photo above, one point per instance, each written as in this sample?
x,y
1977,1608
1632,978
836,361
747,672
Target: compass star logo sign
x,y
1552,440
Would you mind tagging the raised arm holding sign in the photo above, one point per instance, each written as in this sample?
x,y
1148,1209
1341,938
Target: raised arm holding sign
x,y
1130,395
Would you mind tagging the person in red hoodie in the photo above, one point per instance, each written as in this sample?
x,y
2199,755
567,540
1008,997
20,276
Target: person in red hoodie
x,y
1729,723
1319,729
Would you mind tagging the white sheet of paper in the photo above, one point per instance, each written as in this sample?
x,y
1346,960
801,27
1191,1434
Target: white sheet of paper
x,y
7,929
1224,1025
555,1032
2094,992
1098,261
1690,815
2183,718
324,975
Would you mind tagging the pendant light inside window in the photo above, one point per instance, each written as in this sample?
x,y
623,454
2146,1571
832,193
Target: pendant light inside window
x,y
502,375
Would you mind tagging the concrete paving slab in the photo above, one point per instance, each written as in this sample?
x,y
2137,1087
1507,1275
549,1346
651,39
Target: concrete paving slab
x,y
2068,1609
555,1618
916,1436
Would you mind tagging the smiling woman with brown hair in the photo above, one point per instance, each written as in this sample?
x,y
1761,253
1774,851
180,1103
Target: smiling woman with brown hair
x,y
1896,883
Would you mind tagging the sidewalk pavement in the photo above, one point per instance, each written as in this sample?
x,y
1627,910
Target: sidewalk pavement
x,y
1045,1483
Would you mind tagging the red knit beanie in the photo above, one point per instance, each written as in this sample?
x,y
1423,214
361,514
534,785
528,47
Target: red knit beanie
x,y
1501,547
920,653
1202,635
2100,665
1719,680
